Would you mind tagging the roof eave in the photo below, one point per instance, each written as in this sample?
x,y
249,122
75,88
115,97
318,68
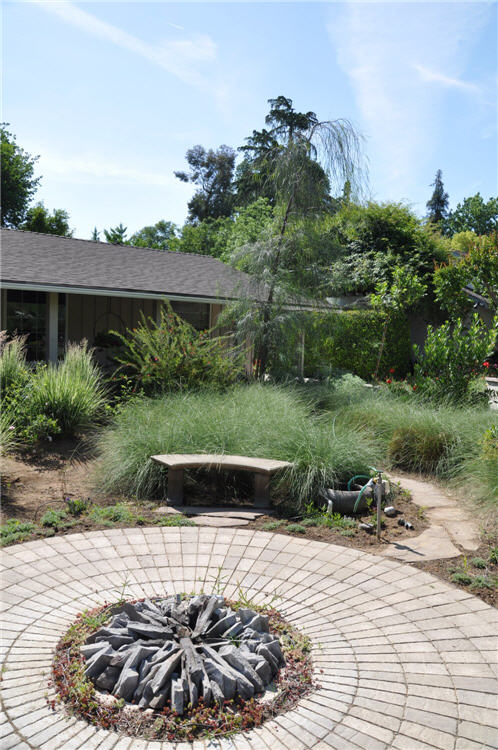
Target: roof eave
x,y
106,292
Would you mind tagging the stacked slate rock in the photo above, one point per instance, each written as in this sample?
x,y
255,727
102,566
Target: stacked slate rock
x,y
182,650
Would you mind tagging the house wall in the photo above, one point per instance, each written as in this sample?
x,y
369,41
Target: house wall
x,y
88,315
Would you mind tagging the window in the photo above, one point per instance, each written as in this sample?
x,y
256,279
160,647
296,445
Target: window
x,y
195,313
27,314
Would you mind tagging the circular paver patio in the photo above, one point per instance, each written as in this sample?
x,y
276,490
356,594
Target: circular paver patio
x,y
403,660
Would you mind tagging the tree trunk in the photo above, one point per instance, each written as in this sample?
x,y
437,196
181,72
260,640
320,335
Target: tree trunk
x,y
265,347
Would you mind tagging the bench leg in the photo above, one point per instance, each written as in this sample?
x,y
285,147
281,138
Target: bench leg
x,y
175,486
261,490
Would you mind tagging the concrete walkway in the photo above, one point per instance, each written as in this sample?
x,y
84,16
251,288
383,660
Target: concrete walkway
x,y
403,660
450,525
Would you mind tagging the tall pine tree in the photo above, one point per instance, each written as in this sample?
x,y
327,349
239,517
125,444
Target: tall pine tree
x,y
437,206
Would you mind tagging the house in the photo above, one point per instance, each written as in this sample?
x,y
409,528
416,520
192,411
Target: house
x,y
60,289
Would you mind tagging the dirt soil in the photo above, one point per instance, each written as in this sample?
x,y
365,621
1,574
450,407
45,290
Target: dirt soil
x,y
33,482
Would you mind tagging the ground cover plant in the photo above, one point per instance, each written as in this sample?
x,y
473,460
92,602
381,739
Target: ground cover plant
x,y
267,421
80,697
82,515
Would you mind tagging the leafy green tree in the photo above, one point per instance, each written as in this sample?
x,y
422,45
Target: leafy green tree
x,y
39,219
116,235
376,238
95,235
212,172
249,223
158,235
478,267
261,172
474,214
18,183
437,205
208,237
299,158
395,298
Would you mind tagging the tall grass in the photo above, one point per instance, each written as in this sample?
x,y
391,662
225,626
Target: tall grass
x,y
258,420
441,440
8,437
13,368
71,391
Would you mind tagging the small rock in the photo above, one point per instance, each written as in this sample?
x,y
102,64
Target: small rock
x,y
390,511
401,522
409,525
368,527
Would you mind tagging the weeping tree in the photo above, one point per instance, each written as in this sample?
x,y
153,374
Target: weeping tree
x,y
296,161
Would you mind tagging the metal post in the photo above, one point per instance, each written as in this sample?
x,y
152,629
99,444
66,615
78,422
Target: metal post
x,y
378,494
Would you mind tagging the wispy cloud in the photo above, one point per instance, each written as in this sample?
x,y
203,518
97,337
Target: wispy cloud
x,y
433,76
394,55
98,168
180,57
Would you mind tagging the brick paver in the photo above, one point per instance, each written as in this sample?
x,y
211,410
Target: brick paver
x,y
402,659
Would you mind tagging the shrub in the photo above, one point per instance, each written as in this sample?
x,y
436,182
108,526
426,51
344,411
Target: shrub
x,y
266,421
171,354
351,340
478,562
53,518
70,392
452,357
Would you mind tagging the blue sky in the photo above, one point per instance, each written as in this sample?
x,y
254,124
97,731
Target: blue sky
x,y
112,94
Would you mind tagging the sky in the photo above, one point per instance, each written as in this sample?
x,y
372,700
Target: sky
x,y
111,95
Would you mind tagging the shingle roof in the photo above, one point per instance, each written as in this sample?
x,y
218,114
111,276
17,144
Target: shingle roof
x,y
30,258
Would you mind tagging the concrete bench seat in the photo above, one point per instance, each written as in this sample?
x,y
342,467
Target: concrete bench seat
x,y
262,468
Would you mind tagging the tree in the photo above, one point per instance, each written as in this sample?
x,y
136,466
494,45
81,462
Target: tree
x,y
257,175
405,290
95,235
116,235
474,214
478,267
438,204
39,219
18,183
158,236
212,171
295,161
374,239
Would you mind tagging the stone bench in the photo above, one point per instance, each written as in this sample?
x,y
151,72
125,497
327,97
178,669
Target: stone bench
x,y
262,469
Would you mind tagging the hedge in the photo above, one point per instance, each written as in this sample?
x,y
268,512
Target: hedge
x,y
350,341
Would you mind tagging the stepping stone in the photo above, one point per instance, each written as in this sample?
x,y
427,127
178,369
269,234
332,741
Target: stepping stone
x,y
221,512
213,521
432,544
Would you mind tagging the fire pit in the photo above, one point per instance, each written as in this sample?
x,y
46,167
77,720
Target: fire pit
x,y
182,650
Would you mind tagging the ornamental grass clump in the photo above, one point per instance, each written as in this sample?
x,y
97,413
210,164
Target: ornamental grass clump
x,y
452,442
264,421
70,392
